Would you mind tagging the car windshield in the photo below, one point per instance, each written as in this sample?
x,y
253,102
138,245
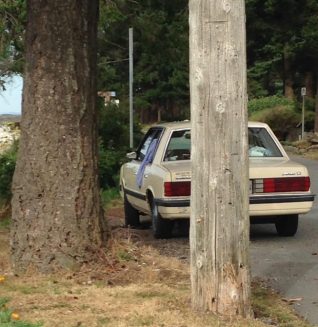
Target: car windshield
x,y
261,144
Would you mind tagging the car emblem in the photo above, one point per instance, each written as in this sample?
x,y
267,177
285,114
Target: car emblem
x,y
298,173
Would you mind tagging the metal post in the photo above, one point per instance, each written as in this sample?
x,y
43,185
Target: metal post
x,y
303,119
131,81
303,94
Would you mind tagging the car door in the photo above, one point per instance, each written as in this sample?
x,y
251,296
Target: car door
x,y
137,193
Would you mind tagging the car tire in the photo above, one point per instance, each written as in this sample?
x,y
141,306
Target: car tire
x,y
287,225
131,214
162,228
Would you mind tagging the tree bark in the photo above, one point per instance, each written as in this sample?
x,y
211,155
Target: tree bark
x,y
316,106
288,75
309,84
57,218
219,232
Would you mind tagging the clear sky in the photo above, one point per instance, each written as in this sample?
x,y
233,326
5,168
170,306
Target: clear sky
x,y
10,99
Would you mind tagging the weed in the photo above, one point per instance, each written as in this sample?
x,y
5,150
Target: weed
x,y
10,319
124,255
109,197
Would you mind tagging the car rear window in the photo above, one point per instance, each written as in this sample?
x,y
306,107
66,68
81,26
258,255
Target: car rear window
x,y
261,144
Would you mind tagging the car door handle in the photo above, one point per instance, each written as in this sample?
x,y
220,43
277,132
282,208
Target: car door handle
x,y
146,176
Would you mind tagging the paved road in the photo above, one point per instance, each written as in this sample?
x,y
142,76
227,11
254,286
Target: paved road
x,y
290,265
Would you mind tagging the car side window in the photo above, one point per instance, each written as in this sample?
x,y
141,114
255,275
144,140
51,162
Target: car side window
x,y
144,146
179,147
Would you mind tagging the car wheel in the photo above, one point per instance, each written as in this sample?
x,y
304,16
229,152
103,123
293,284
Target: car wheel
x,y
131,214
162,228
287,225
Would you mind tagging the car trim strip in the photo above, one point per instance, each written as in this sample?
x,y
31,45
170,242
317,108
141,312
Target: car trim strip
x,y
135,194
172,203
281,199
253,199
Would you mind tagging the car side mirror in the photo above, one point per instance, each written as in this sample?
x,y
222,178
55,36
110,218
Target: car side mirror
x,y
131,155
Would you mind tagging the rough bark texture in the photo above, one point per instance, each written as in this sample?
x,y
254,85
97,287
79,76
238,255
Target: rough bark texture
x,y
288,75
57,215
219,232
309,84
316,105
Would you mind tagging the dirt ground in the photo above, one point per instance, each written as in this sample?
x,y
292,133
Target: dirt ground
x,y
138,281
178,247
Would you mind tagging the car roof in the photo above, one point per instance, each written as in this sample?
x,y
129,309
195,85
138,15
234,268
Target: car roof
x,y
187,124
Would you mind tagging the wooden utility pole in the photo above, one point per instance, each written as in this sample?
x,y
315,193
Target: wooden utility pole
x,y
219,232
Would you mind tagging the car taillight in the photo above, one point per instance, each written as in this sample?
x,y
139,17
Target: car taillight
x,y
177,188
287,184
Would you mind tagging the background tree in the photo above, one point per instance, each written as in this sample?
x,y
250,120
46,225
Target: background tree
x,y
281,43
219,232
280,36
12,25
57,220
160,55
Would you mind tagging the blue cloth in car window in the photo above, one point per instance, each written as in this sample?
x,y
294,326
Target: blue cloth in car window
x,y
147,159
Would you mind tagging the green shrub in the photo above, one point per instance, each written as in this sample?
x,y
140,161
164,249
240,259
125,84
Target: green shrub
x,y
108,195
282,119
110,161
114,143
7,166
260,104
309,121
114,127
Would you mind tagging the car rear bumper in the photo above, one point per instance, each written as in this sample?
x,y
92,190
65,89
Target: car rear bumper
x,y
260,205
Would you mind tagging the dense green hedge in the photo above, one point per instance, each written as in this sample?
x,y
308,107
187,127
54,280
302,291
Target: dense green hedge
x,y
7,166
259,104
282,115
114,142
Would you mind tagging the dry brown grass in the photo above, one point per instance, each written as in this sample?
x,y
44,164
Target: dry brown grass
x,y
311,155
131,285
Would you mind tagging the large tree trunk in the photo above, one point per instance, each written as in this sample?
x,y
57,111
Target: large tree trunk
x,y
57,219
219,232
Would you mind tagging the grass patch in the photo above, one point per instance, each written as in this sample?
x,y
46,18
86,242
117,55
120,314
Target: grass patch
x,y
8,318
141,320
150,294
111,197
5,223
267,305
124,255
131,285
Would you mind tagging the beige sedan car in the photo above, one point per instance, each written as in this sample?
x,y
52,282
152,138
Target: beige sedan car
x,y
157,180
